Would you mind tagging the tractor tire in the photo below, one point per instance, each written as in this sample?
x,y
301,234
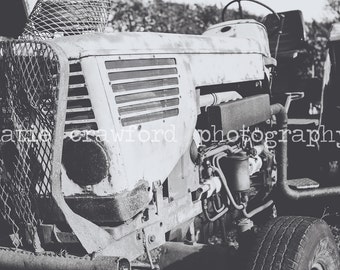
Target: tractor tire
x,y
294,243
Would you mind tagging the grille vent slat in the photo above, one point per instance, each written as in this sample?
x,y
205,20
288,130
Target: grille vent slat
x,y
149,117
141,74
145,89
140,68
145,84
145,107
147,95
135,63
79,112
81,97
76,73
80,91
77,85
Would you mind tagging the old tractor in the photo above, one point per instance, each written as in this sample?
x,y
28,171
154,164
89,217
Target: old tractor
x,y
133,150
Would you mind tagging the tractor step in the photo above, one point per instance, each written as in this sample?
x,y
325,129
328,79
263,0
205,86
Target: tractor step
x,y
303,184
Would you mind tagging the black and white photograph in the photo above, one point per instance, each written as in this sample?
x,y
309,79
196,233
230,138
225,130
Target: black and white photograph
x,y
169,135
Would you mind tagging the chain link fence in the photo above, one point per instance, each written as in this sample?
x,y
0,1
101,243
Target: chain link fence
x,y
28,95
55,18
29,75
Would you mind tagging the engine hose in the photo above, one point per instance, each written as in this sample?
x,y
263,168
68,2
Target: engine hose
x,y
216,217
257,210
225,184
282,163
231,198
221,208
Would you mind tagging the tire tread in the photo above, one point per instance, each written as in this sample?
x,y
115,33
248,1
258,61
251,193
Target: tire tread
x,y
278,243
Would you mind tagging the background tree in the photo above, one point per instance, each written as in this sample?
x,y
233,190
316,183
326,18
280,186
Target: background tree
x,y
334,6
167,17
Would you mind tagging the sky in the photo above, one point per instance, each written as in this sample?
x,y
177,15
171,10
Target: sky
x,y
312,9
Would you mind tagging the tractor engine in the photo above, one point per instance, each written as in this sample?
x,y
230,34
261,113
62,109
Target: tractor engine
x,y
239,157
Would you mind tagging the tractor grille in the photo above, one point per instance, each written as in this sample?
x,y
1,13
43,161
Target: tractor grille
x,y
53,18
145,89
79,113
29,93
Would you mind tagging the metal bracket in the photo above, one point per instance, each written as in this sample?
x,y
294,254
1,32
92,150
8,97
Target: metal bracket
x,y
293,96
157,189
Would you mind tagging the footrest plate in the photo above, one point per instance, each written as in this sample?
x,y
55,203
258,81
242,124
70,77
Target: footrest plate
x,y
303,184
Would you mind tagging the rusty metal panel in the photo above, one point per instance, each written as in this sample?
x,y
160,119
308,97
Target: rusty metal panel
x,y
99,44
24,260
215,69
210,60
111,209
150,117
249,29
184,178
137,106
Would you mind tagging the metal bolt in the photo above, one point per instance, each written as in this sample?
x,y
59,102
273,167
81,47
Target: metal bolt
x,y
152,238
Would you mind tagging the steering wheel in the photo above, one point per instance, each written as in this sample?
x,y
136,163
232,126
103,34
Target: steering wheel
x,y
241,10
273,30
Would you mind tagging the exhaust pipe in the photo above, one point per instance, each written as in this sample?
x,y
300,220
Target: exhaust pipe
x,y
23,260
282,163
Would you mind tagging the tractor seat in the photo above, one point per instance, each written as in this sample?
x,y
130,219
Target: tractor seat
x,y
292,39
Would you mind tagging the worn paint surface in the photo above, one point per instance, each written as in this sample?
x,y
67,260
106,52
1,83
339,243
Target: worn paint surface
x,y
212,59
250,29
199,61
138,43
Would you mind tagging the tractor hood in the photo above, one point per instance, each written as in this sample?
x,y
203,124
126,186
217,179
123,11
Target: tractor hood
x,y
211,59
138,43
144,82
